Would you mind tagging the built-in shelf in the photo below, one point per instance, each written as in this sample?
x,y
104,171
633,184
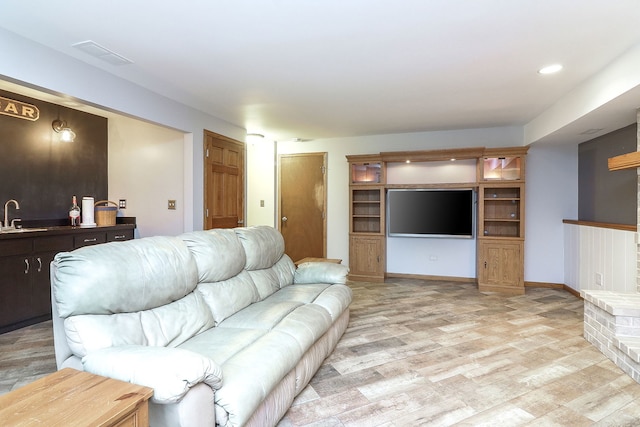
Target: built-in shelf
x,y
497,173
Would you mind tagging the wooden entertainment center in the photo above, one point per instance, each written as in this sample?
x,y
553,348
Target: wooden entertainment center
x,y
500,185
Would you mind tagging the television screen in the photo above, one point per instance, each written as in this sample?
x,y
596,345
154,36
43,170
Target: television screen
x,y
431,212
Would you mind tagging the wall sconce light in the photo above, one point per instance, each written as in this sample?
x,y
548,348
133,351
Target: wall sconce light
x,y
66,134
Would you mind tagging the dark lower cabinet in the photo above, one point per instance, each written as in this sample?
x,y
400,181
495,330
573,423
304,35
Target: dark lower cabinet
x,y
25,289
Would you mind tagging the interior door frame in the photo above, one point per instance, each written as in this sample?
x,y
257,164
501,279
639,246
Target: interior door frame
x,y
324,201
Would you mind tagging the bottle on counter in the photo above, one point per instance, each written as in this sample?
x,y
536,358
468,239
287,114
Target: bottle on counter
x,y
74,213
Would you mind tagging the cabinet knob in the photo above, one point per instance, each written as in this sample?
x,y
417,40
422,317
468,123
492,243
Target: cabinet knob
x,y
485,264
39,264
90,240
26,266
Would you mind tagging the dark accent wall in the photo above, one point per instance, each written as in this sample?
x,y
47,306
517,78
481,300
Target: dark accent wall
x,y
40,171
605,196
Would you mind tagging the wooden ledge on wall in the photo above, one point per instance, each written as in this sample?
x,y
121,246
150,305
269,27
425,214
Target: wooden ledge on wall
x,y
624,161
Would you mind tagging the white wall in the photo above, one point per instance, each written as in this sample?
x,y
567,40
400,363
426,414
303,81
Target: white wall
x,y
551,195
146,167
260,183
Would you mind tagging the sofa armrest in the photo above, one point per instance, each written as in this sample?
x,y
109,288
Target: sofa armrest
x,y
321,272
171,372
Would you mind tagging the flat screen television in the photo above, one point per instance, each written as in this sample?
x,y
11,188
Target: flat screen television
x,y
431,212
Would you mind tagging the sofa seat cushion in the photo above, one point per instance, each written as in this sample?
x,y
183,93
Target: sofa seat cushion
x,y
165,326
262,358
261,315
253,373
300,293
305,324
221,344
333,298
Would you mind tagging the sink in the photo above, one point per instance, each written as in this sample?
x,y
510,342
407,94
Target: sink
x,y
21,230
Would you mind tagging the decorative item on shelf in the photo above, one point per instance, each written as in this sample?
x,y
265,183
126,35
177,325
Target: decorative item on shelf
x,y
66,134
87,213
106,215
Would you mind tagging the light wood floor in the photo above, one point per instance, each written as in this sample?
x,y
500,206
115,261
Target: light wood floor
x,y
420,353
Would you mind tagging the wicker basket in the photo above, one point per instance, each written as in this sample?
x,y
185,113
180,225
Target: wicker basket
x,y
105,215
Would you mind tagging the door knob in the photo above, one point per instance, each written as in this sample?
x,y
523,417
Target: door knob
x,y
284,219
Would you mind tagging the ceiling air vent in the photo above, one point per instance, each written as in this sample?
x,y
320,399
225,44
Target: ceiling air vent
x,y
101,52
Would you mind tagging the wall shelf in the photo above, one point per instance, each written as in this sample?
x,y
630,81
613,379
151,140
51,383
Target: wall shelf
x,y
624,161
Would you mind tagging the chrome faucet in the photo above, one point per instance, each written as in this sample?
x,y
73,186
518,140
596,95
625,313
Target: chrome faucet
x,y
6,223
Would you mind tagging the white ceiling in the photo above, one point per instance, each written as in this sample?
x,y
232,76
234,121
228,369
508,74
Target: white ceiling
x,y
317,69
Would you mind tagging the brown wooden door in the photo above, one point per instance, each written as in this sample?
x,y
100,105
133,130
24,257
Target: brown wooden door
x,y
302,207
223,182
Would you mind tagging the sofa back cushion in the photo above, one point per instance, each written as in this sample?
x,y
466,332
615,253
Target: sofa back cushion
x,y
229,296
269,280
134,292
218,253
167,326
263,246
123,277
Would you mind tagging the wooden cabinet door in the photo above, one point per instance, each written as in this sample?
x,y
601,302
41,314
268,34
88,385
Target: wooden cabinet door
x,y
366,258
41,284
15,292
500,266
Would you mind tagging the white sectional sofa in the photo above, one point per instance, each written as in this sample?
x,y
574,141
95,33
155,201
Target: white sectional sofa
x,y
219,323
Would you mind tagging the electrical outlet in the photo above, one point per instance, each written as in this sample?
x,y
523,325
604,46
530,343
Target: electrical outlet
x,y
599,279
122,203
433,258
172,205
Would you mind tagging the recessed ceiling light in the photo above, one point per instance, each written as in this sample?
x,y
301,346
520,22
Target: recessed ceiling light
x,y
550,69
